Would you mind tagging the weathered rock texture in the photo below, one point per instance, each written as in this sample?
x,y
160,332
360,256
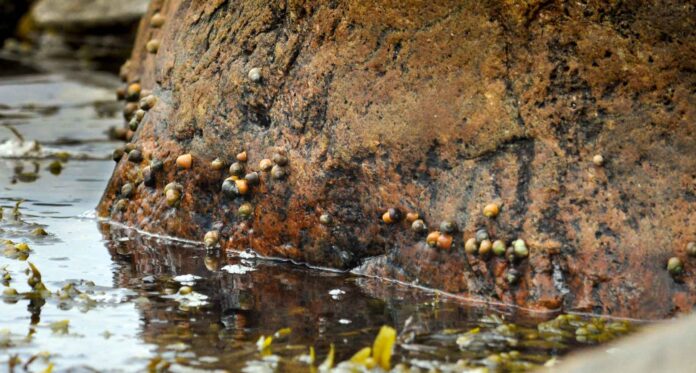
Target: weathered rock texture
x,y
81,14
435,107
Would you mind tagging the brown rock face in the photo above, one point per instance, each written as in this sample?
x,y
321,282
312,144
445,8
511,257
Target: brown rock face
x,y
438,108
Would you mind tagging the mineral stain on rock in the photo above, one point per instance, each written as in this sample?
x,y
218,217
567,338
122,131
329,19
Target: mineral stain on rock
x,y
440,110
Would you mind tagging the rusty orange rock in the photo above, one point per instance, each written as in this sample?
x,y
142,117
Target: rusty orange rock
x,y
378,104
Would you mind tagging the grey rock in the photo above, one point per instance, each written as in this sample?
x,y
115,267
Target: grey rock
x,y
78,14
664,347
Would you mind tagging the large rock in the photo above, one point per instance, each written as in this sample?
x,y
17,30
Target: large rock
x,y
664,347
438,108
81,14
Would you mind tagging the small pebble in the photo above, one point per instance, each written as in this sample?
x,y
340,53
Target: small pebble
x,y
252,178
242,157
419,226
675,266
277,172
255,74
184,161
217,164
444,242
499,248
185,290
491,210
236,169
135,156
152,46
432,238
245,209
481,235
325,219
211,238
412,216
127,190
598,160
471,246
485,247
265,165
157,20
139,114
129,147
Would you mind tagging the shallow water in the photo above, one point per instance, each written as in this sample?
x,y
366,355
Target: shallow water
x,y
123,309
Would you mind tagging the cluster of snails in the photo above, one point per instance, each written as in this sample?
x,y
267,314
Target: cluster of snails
x,y
480,244
157,21
138,102
238,184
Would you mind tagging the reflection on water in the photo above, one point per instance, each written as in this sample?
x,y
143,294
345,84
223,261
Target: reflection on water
x,y
146,302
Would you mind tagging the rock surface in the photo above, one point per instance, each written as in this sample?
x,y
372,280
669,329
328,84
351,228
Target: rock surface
x,y
437,109
658,348
80,14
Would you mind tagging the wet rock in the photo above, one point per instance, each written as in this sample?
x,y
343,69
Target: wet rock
x,y
377,105
659,348
97,31
82,14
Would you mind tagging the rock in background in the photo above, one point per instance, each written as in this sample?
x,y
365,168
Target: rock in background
x,y
99,31
663,347
439,109
86,14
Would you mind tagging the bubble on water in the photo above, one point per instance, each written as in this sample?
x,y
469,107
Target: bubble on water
x,y
237,269
336,293
187,279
